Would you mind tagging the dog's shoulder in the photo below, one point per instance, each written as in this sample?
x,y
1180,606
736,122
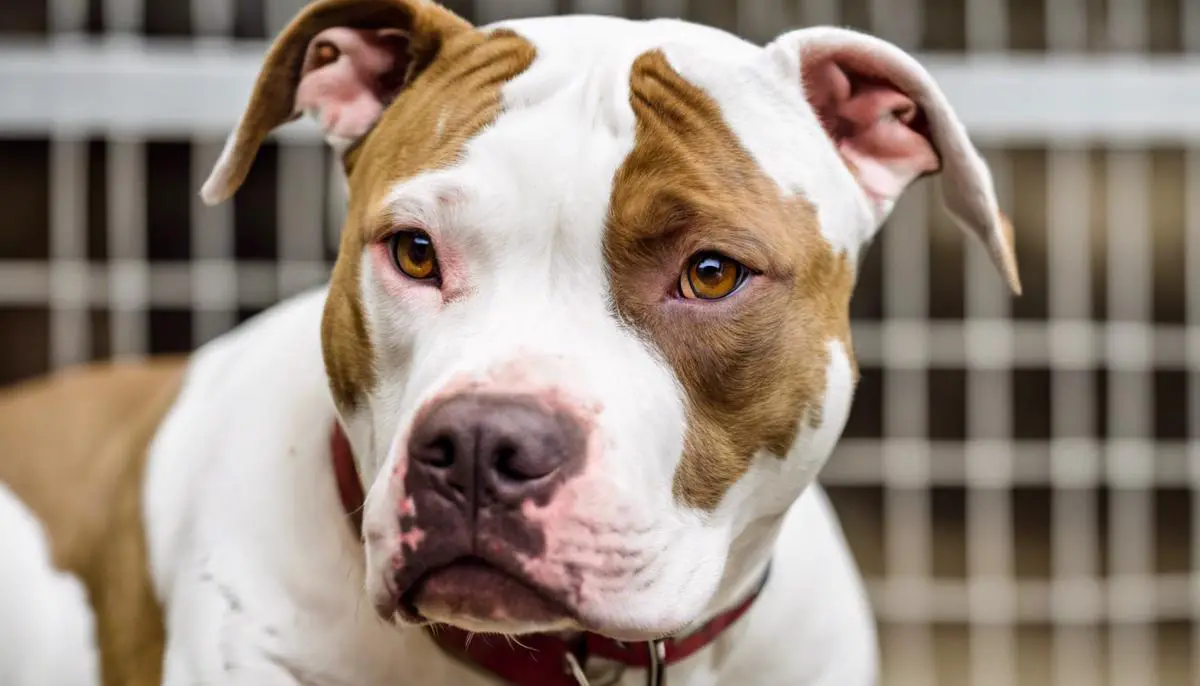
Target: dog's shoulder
x,y
247,397
83,450
248,542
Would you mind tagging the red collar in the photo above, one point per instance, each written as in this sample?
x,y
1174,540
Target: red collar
x,y
542,659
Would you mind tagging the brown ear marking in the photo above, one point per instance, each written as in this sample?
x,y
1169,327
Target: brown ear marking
x,y
753,376
1005,254
272,100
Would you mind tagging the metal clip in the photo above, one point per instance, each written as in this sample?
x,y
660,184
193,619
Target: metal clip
x,y
656,671
575,669
601,673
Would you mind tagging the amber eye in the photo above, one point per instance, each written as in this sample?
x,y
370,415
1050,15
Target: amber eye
x,y
413,255
711,276
325,53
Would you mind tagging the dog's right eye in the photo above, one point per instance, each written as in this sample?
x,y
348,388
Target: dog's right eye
x,y
413,254
712,276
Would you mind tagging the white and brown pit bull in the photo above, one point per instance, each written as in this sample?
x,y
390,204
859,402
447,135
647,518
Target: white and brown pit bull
x,y
584,350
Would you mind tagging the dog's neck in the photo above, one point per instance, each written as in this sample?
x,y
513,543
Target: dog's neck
x,y
749,561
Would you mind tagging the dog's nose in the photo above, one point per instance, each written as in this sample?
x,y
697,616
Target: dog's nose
x,y
485,446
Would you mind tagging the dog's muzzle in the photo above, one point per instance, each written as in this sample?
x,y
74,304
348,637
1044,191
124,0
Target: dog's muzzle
x,y
475,460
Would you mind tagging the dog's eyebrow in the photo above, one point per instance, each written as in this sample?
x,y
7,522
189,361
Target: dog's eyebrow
x,y
737,241
669,219
424,204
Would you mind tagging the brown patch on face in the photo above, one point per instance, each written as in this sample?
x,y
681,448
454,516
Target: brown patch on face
x,y
425,128
74,448
752,365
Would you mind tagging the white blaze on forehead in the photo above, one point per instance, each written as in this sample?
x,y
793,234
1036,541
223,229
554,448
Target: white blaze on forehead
x,y
769,114
592,56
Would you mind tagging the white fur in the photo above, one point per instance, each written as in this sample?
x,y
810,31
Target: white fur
x,y
251,553
46,625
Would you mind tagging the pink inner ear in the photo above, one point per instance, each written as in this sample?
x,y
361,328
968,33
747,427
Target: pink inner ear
x,y
348,77
881,133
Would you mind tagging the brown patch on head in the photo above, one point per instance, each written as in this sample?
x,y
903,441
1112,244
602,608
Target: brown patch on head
x,y
425,128
752,367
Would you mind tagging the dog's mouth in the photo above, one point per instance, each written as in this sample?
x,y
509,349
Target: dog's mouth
x,y
476,595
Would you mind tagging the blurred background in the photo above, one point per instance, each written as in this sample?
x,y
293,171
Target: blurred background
x,y
1020,479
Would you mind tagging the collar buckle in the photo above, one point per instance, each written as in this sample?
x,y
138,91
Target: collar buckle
x,y
571,666
656,668
603,673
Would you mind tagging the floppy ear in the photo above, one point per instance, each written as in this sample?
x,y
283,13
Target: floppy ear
x,y
341,61
891,124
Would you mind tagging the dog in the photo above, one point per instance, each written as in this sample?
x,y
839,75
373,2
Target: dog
x,y
558,415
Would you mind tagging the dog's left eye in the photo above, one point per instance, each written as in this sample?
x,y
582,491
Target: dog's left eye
x,y
711,276
413,254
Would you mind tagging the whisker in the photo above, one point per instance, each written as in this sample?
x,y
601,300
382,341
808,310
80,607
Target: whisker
x,y
514,639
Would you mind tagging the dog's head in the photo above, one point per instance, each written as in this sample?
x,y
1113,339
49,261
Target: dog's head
x,y
588,328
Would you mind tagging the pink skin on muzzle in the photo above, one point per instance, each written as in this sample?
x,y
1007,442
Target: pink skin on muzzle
x,y
551,555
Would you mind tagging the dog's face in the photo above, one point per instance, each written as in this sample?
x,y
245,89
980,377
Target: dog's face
x,y
588,328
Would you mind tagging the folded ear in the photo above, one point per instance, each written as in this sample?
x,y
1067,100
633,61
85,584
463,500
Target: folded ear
x,y
341,61
891,124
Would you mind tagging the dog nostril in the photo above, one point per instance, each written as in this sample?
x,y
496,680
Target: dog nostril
x,y
512,463
473,445
441,452
506,457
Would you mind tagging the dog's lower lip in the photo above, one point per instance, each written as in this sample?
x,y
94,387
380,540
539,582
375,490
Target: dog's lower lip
x,y
471,587
549,609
